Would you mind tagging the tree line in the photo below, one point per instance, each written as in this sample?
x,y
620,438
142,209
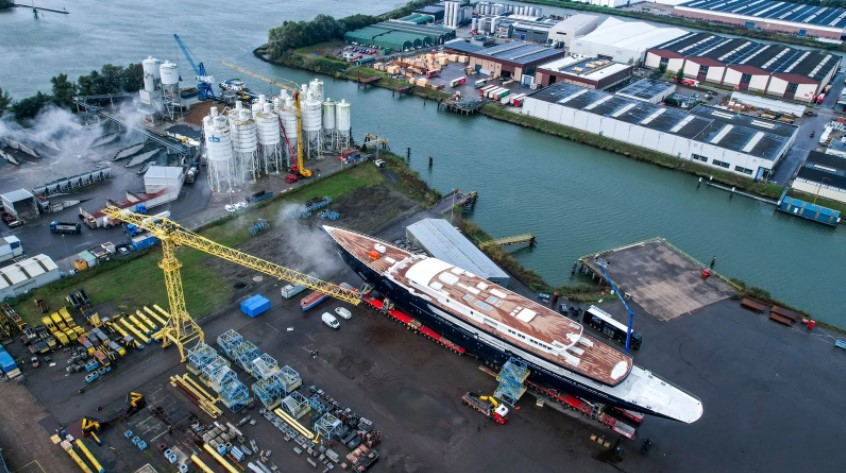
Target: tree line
x,y
110,79
297,34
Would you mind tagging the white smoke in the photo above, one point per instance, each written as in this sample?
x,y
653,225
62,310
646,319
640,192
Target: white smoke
x,y
64,142
308,242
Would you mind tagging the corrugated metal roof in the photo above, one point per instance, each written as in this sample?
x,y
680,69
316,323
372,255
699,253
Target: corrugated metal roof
x,y
17,195
445,242
769,9
631,35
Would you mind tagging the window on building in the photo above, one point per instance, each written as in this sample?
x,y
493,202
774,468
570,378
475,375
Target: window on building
x,y
699,157
721,164
746,78
743,170
792,87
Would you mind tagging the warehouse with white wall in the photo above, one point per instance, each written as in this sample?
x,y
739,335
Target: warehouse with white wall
x,y
737,143
623,41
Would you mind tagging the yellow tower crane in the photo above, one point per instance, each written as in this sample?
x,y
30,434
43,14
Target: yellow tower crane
x,y
294,88
181,329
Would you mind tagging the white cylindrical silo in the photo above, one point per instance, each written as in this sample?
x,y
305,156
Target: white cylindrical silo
x,y
152,75
316,89
343,124
269,138
311,115
288,114
169,73
220,154
244,141
328,116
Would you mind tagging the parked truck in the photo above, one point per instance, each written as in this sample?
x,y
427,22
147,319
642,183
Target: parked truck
x,y
192,173
488,406
290,290
64,228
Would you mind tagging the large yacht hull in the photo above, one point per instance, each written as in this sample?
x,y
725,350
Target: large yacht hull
x,y
476,344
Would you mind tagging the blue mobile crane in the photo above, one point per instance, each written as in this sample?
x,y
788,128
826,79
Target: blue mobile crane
x,y
601,265
204,81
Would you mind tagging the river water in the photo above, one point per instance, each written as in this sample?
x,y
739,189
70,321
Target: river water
x,y
576,199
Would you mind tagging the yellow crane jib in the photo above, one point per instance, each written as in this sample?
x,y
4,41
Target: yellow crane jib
x,y
181,329
294,88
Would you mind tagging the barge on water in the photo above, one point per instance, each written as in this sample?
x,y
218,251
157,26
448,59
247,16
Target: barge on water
x,y
497,324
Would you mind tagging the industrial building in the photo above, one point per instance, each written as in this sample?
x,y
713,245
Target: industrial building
x,y
435,11
443,241
534,31
167,178
495,9
399,36
21,277
20,203
737,143
822,175
782,17
563,33
742,64
648,90
515,60
456,13
623,41
10,248
611,3
592,73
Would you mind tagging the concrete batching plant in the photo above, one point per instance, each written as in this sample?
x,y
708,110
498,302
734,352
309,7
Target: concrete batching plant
x,y
221,154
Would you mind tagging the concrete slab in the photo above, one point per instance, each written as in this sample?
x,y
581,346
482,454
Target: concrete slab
x,y
664,282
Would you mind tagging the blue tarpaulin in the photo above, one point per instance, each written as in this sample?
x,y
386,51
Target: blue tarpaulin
x,y
255,305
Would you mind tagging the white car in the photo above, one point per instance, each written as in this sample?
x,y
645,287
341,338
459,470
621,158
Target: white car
x,y
343,313
241,205
230,208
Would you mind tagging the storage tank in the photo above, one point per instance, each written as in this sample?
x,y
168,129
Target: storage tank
x,y
311,115
220,154
244,140
152,76
288,114
269,138
329,116
316,88
169,73
343,124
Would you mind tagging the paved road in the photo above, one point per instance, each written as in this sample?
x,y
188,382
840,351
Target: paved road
x,y
789,165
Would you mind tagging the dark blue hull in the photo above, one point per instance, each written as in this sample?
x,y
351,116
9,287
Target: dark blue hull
x,y
419,309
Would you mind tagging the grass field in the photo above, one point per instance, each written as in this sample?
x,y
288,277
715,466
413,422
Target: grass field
x,y
139,281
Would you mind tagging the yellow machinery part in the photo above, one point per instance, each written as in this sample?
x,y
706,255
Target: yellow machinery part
x,y
89,425
90,456
228,466
199,388
143,317
309,435
82,465
95,437
140,336
162,321
140,326
200,464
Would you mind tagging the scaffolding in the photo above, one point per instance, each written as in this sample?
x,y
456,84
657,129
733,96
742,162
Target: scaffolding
x,y
235,395
316,404
264,367
200,356
227,341
289,379
218,374
268,391
296,405
328,426
511,378
245,353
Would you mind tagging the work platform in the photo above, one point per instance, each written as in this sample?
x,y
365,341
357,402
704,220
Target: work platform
x,y
661,278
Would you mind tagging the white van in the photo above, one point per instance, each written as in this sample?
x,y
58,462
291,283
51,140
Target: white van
x,y
330,321
343,313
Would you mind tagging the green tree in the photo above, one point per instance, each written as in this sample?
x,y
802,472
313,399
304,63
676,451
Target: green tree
x,y
680,75
63,90
29,107
88,85
5,101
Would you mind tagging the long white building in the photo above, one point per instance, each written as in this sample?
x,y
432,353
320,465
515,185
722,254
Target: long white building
x,y
737,143
623,41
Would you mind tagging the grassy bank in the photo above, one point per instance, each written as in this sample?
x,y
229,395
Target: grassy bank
x,y
115,284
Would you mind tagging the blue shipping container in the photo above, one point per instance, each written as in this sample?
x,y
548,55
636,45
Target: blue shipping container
x,y
255,305
7,364
139,243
